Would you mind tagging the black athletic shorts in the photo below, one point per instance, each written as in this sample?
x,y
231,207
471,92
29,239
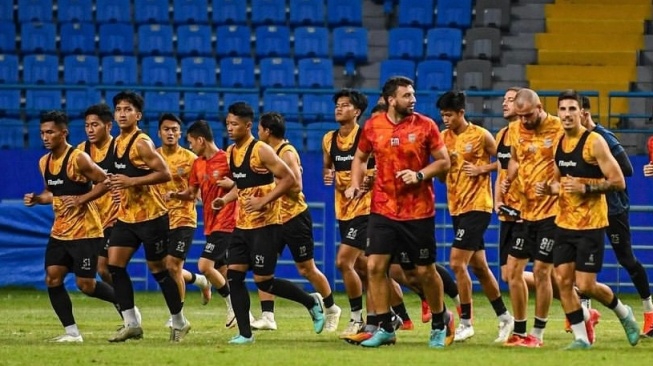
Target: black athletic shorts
x,y
297,234
79,256
258,248
414,237
153,234
215,248
583,247
354,232
469,229
179,241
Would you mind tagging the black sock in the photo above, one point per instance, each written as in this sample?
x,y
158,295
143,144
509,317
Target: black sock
x,y
520,327
583,296
450,287
421,295
466,311
356,303
328,301
575,317
170,291
372,319
401,311
122,287
193,277
104,291
385,322
267,306
438,320
640,280
498,306
117,306
287,290
613,303
240,301
224,290
63,307
539,323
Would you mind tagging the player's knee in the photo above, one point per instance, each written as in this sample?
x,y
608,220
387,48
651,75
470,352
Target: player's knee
x,y
586,287
344,264
235,276
86,285
265,285
306,271
458,266
53,281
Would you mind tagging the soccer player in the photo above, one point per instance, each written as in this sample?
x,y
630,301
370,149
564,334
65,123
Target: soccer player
x,y
72,181
296,227
142,218
469,198
402,208
648,168
618,230
261,178
584,171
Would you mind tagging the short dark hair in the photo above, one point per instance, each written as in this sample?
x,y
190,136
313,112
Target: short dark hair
x,y
391,85
570,94
60,118
274,122
451,101
357,99
381,107
131,97
585,102
169,117
102,110
200,128
242,110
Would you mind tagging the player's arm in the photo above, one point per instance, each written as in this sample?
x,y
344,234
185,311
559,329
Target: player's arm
x,y
189,194
551,188
94,173
327,162
290,158
358,170
513,168
614,178
624,163
440,165
160,172
43,198
490,148
285,178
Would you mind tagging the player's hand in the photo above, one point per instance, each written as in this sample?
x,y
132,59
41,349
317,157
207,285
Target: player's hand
x,y
648,170
505,186
30,199
71,201
572,185
119,181
353,192
328,175
253,204
407,176
168,196
471,170
225,183
218,204
498,204
542,189
368,183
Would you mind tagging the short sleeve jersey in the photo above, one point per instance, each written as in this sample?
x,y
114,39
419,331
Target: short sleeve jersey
x,y
107,208
292,204
405,145
180,162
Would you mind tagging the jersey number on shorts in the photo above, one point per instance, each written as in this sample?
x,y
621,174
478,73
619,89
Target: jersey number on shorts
x,y
460,233
352,233
547,245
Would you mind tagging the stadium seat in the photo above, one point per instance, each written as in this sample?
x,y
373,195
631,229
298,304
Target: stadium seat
x,y
425,104
78,100
76,131
315,134
315,73
119,70
344,12
268,12
272,41
9,103
190,11
434,75
37,101
8,69
295,134
406,43
159,70
116,39
311,42
391,68
12,133
77,38
237,72
7,37
151,127
492,13
474,75
454,13
81,69
483,43
75,11
7,12
199,71
200,105
41,69
350,47
34,10
157,103
285,103
151,11
277,73
229,12
251,98
415,13
444,44
218,129
194,40
34,134
38,38
155,40
233,41
317,107
113,11
306,12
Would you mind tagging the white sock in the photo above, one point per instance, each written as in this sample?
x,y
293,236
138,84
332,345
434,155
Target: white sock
x,y
178,320
586,313
227,301
357,315
648,304
538,333
72,330
466,322
620,310
580,332
586,303
201,281
505,317
129,317
268,314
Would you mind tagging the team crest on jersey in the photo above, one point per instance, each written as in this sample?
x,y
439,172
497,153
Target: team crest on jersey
x,y
548,142
394,141
468,147
411,137
180,171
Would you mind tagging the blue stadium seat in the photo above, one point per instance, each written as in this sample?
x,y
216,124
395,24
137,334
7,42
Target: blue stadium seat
x,y
159,70
119,70
151,11
77,38
78,100
81,69
454,14
344,12
444,44
406,43
285,103
194,40
151,127
434,75
113,11
37,101
7,12
425,104
272,41
277,72
190,12
311,42
306,12
9,102
218,129
41,69
7,37
157,103
155,39
12,133
350,47
251,98
315,133
38,37
268,12
200,105
317,107
116,39
233,40
34,134
315,73
76,131
34,10
199,71
229,12
295,134
391,68
74,11
8,69
237,72
416,13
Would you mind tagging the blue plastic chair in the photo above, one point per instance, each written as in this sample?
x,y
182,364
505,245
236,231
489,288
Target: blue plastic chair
x,y
277,72
77,38
151,11
315,73
434,75
268,12
237,72
116,39
74,11
37,101
76,131
285,103
194,40
9,103
159,70
344,12
161,102
190,12
272,41
391,68
233,41
81,69
295,134
416,13
38,38
200,105
406,43
444,44
12,133
199,71
454,13
34,10
7,12
78,100
311,42
113,11
229,12
306,12
155,39
41,69
317,107
8,69
119,70
7,37
350,47
230,98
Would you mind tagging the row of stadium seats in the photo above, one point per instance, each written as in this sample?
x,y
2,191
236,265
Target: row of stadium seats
x,y
419,13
